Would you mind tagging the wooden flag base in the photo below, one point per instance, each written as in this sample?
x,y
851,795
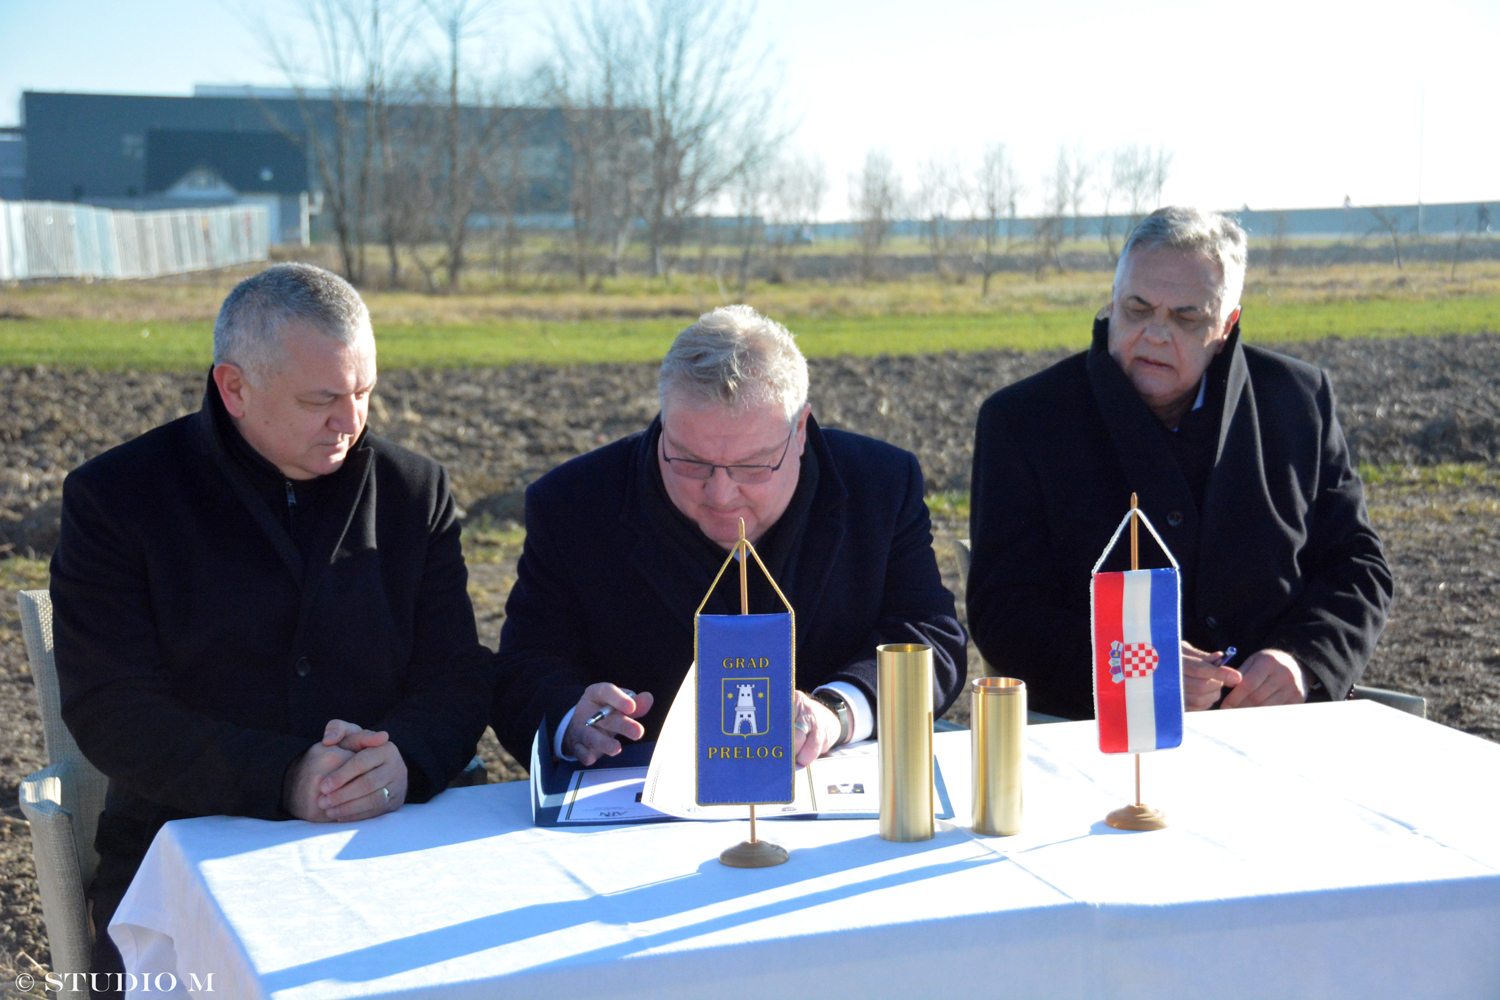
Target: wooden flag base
x,y
1137,817
754,854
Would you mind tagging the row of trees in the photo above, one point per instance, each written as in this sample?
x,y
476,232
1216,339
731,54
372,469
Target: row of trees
x,y
647,118
644,116
968,211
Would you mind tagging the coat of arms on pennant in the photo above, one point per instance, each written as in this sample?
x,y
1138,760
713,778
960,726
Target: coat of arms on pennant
x,y
1137,649
746,707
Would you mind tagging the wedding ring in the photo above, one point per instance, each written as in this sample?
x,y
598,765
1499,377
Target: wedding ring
x,y
801,725
387,793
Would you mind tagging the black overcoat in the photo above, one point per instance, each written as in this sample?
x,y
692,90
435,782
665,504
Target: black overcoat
x,y
602,593
1282,554
199,655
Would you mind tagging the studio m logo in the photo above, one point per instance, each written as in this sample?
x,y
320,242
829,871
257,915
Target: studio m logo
x,y
745,706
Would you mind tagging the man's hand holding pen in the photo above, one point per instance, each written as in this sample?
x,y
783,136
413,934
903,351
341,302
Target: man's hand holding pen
x,y
1205,676
1268,677
602,714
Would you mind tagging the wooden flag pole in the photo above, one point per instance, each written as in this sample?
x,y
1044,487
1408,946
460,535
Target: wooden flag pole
x,y
1135,564
753,853
1139,816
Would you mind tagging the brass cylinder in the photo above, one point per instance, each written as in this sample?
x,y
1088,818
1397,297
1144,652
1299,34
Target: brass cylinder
x,y
997,724
904,706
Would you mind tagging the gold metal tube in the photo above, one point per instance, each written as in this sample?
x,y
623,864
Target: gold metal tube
x,y
904,696
997,723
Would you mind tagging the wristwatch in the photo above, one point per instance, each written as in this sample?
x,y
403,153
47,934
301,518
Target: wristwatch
x,y
838,706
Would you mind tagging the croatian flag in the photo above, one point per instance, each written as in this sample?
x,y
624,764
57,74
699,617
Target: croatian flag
x,y
1137,657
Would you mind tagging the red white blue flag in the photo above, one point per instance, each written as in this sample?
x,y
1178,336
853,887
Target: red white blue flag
x,y
1137,647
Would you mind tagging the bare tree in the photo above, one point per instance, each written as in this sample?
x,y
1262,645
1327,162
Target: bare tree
x,y
993,193
1278,242
595,80
940,193
750,195
875,199
1138,174
467,138
1051,223
343,94
1458,243
1078,170
1388,222
701,107
1107,183
794,197
707,109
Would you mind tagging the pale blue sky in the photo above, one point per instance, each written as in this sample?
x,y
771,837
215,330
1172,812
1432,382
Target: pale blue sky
x,y
1275,103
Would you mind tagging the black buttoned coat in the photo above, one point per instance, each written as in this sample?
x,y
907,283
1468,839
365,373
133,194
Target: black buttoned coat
x,y
605,592
1282,554
199,654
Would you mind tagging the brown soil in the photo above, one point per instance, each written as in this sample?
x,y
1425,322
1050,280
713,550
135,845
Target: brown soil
x,y
1412,402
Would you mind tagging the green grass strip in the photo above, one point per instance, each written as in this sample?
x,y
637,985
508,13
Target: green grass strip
x,y
114,345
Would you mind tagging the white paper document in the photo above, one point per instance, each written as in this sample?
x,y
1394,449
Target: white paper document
x,y
607,796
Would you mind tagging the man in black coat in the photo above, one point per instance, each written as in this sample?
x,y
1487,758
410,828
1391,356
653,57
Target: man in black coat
x,y
260,609
623,543
1238,459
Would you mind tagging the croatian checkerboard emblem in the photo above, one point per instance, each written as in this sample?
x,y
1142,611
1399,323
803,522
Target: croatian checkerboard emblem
x,y
746,706
1131,659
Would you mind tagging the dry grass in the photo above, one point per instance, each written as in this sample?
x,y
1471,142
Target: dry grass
x,y
196,298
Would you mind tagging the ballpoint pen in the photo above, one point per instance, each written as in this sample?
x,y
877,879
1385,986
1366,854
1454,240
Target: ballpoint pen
x,y
1224,658
606,711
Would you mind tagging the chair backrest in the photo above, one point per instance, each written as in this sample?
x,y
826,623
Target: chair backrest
x,y
85,791
961,553
36,627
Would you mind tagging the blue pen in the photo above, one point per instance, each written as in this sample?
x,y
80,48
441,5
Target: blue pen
x,y
1225,656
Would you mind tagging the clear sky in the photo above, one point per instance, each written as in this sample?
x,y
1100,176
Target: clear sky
x,y
1271,103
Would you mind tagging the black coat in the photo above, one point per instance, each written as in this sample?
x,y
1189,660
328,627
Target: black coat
x,y
607,584
199,654
1282,554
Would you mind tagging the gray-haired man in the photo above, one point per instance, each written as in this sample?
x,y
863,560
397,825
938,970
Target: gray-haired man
x,y
260,609
1238,459
622,544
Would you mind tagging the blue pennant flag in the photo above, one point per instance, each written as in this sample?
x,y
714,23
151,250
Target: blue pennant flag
x,y
745,703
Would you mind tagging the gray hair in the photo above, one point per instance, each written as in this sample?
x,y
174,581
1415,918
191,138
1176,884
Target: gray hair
x,y
736,358
247,333
1215,236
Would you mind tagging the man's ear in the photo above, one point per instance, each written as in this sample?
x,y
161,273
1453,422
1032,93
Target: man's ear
x,y
1234,317
231,382
802,426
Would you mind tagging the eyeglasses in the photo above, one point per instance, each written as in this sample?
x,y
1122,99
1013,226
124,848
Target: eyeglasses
x,y
689,468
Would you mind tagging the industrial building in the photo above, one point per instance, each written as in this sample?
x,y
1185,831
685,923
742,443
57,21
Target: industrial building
x,y
223,146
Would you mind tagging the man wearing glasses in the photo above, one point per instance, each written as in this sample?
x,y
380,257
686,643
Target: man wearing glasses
x,y
622,544
1238,459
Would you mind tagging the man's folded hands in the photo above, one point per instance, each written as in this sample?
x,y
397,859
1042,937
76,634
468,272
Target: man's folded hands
x,y
351,774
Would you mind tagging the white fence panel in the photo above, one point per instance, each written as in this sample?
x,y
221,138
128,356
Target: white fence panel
x,y
12,242
44,239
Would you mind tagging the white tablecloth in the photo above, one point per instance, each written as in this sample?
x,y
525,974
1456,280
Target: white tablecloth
x,y
1315,851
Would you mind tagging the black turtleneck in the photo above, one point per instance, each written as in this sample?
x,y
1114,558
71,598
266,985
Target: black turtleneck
x,y
775,548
